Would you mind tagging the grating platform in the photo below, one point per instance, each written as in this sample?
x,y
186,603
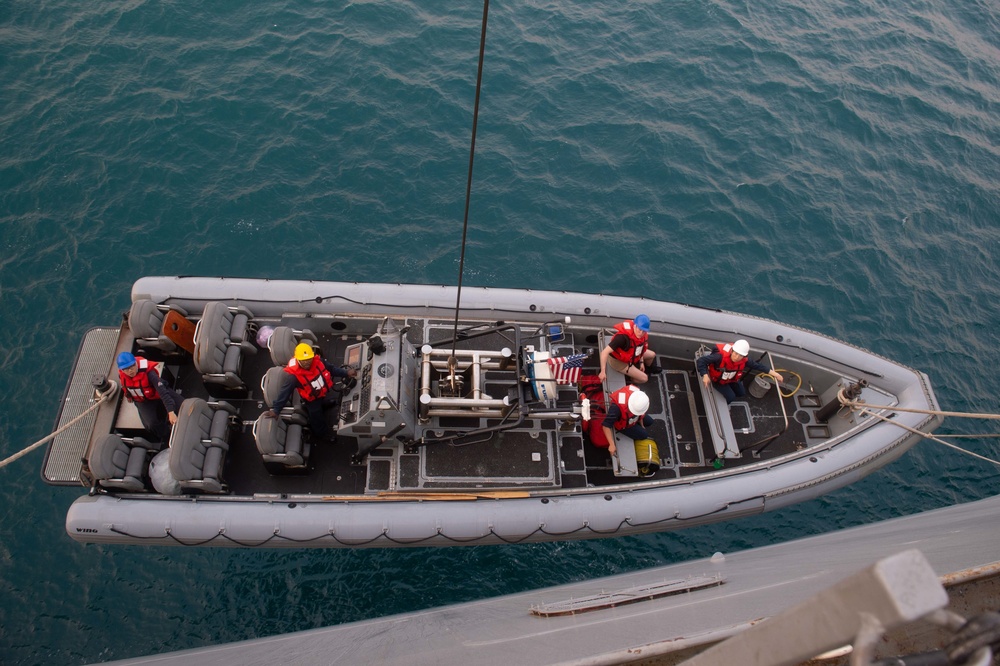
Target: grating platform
x,y
63,460
630,595
508,459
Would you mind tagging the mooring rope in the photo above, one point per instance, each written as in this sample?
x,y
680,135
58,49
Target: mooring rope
x,y
104,397
967,415
865,408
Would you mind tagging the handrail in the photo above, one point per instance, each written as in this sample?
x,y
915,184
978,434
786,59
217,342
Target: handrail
x,y
781,401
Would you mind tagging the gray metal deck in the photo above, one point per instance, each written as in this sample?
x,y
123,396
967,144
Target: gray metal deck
x,y
758,583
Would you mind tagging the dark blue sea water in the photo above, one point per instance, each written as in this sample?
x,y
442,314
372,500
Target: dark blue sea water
x,y
833,164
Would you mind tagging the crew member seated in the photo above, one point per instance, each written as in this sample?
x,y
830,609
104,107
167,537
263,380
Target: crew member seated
x,y
626,414
628,351
313,377
725,367
156,402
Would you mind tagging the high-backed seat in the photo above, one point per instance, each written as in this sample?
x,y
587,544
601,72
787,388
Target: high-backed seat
x,y
270,386
199,443
281,444
145,319
221,339
283,340
121,463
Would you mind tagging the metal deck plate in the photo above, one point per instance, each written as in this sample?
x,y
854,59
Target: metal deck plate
x,y
63,463
507,459
630,595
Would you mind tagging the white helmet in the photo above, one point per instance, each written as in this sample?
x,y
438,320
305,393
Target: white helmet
x,y
741,347
638,403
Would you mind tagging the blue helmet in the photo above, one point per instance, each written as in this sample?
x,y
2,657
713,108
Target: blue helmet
x,y
125,360
642,322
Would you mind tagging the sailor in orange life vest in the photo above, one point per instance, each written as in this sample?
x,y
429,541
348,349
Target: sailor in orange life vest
x,y
313,378
156,402
628,351
725,367
627,414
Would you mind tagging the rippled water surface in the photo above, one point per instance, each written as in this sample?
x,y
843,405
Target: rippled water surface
x,y
830,164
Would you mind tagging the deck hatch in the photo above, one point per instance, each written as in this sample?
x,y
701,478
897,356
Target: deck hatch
x,y
739,414
64,459
507,459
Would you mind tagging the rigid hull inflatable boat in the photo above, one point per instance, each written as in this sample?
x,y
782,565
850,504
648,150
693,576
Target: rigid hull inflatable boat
x,y
456,429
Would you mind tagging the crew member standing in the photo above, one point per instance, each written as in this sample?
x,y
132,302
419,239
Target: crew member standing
x,y
627,414
628,351
724,369
313,378
156,402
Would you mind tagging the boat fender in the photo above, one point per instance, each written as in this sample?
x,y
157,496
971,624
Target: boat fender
x,y
161,478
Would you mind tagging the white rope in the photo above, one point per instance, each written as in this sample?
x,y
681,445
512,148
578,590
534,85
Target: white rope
x,y
104,397
866,409
930,437
966,415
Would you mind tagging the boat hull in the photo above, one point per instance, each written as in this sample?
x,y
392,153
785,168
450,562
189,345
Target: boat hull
x,y
472,515
389,522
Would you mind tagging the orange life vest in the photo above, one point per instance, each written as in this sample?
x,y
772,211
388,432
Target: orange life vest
x,y
139,388
727,372
620,398
633,354
314,382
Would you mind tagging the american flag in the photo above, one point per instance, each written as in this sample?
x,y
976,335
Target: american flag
x,y
566,369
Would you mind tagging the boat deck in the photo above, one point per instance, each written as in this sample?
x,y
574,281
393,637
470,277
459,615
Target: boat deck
x,y
539,455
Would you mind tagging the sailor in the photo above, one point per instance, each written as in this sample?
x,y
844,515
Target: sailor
x,y
156,402
725,367
627,414
628,351
312,377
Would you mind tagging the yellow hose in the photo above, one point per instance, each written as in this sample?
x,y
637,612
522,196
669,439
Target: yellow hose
x,y
797,386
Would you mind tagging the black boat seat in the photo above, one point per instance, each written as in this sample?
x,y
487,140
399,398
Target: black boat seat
x,y
121,463
199,443
270,386
145,319
283,341
720,422
220,343
279,441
